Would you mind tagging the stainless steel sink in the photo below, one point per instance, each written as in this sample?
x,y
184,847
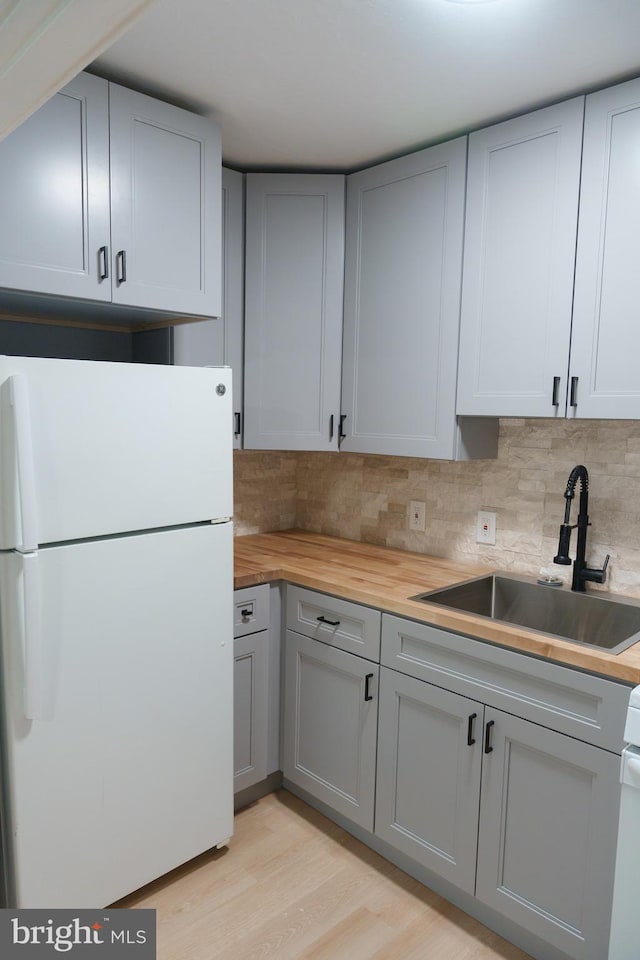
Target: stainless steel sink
x,y
595,620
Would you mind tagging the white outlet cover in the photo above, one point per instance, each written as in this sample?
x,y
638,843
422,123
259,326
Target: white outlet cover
x,y
486,527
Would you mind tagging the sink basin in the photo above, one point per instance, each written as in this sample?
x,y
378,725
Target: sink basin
x,y
586,618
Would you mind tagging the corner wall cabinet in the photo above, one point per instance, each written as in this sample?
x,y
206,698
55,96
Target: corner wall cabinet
x,y
251,685
405,221
219,341
293,310
519,255
110,195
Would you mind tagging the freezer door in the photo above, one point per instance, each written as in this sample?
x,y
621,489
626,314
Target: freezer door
x,y
132,774
90,449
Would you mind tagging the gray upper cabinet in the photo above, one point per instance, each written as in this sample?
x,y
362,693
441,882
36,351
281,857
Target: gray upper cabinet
x,y
113,196
604,346
54,196
293,310
165,205
405,223
519,255
547,837
219,341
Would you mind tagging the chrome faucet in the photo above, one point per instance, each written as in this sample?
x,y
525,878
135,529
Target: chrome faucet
x,y
581,572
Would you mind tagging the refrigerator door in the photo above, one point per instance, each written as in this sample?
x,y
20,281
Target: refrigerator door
x,y
132,775
90,449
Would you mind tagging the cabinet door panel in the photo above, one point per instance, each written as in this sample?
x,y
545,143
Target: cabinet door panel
x,y
165,205
428,777
402,302
604,346
250,720
293,315
547,838
519,255
329,727
54,195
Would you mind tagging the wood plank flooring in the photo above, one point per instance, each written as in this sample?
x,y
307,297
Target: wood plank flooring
x,y
294,886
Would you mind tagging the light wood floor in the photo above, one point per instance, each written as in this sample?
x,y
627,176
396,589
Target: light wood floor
x,y
294,886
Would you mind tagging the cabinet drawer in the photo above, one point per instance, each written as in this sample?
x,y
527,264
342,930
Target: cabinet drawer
x,y
250,610
340,623
579,704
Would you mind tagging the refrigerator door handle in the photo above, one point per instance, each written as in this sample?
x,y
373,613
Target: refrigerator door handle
x,y
19,398
35,702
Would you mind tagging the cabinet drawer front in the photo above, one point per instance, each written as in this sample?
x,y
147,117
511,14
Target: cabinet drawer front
x,y
340,623
583,706
250,610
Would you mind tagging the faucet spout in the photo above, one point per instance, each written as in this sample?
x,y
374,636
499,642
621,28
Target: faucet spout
x,y
581,572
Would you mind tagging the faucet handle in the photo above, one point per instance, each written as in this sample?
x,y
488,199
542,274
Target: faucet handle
x,y
597,576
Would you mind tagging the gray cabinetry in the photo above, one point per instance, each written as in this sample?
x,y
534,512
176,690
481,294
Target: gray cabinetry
x,y
548,803
54,196
519,256
108,194
548,831
604,344
293,310
330,708
165,205
428,775
403,265
251,686
219,341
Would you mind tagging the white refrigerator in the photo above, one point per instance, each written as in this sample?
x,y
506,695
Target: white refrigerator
x,y
116,625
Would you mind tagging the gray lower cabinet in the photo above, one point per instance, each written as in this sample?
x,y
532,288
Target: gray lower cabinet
x,y
521,811
428,778
330,725
250,686
547,835
522,816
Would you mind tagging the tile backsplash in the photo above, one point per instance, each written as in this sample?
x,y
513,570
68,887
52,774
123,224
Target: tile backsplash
x,y
367,497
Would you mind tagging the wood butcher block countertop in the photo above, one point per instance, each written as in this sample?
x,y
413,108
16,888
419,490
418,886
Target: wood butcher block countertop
x,y
384,578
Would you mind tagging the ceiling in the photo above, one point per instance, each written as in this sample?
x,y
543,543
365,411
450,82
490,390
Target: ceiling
x,y
340,84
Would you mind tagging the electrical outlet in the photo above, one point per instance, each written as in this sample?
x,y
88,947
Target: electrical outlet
x,y
417,515
486,527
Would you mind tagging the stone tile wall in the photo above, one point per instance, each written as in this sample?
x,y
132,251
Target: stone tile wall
x,y
264,491
367,497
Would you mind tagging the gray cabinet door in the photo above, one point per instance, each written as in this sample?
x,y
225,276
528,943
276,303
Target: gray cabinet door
x,y
547,837
428,779
405,222
218,341
54,196
330,722
165,206
519,256
250,706
605,339
293,310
